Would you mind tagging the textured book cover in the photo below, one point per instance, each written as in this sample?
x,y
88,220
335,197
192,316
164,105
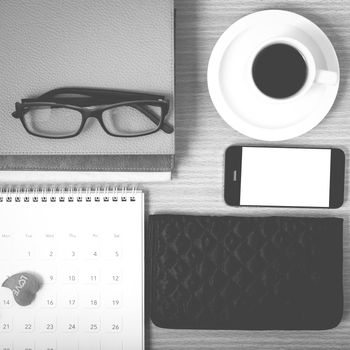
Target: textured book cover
x,y
125,45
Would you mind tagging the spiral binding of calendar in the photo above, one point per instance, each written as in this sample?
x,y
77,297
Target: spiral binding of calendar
x,y
68,194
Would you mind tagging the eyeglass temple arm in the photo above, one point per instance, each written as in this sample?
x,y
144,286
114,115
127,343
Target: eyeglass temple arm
x,y
166,127
100,93
82,101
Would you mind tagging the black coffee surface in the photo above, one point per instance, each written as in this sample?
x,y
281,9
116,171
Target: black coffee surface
x,y
279,71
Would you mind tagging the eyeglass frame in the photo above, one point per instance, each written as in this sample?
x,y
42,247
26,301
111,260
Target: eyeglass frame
x,y
99,102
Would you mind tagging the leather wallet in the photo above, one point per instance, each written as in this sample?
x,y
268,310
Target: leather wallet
x,y
245,273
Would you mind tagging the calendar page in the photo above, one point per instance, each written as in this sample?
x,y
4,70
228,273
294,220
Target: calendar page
x,y
86,251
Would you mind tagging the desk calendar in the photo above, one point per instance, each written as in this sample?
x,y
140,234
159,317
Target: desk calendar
x,y
87,249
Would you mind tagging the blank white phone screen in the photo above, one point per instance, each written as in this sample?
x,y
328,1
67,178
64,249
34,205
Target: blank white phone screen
x,y
285,177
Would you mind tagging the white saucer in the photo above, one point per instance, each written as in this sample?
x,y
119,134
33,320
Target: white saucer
x,y
251,113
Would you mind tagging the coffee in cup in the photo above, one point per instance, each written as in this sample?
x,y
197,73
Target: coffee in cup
x,y
284,68
279,70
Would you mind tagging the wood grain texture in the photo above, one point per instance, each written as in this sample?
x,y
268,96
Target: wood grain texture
x,y
202,137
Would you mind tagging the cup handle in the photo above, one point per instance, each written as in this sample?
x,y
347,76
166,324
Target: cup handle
x,y
326,77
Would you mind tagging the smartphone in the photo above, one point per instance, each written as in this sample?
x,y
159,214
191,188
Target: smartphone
x,y
284,177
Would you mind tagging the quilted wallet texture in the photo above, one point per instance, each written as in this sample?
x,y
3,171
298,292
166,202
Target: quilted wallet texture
x,y
246,273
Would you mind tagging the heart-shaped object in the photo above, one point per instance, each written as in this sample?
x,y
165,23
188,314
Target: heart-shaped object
x,y
24,287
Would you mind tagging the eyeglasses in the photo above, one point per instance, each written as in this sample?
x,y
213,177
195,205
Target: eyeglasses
x,y
62,113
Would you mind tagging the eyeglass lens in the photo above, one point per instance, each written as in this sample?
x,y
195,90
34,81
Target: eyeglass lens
x,y
52,121
128,121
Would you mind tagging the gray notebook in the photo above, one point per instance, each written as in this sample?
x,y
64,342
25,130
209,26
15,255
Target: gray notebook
x,y
113,44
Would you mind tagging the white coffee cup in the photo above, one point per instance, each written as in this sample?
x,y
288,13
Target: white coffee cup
x,y
315,74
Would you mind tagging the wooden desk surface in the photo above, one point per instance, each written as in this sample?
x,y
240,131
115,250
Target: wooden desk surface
x,y
202,137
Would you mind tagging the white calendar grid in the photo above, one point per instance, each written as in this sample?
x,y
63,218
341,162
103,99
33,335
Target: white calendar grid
x,y
89,256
